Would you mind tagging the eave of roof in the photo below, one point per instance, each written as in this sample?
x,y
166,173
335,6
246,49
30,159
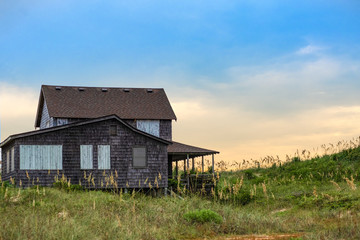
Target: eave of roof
x,y
80,123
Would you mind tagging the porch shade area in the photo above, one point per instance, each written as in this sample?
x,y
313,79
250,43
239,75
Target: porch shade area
x,y
183,152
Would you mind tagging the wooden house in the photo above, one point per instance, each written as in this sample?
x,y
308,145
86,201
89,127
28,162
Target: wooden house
x,y
99,138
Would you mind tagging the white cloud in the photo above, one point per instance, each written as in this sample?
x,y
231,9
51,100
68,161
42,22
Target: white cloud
x,y
309,49
18,107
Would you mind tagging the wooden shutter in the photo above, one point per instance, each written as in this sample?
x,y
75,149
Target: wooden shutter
x,y
104,157
139,157
7,161
38,157
86,157
150,126
13,159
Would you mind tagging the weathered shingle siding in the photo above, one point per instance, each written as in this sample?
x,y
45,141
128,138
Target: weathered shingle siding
x,y
166,129
4,175
45,117
98,134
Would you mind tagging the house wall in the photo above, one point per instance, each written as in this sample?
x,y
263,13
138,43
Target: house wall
x,y
46,120
96,134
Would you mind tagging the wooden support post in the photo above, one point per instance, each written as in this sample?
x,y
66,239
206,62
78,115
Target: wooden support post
x,y
185,166
213,164
202,164
187,161
177,170
188,175
193,164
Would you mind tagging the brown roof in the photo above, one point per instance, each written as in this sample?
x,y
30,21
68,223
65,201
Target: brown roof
x,y
94,102
180,150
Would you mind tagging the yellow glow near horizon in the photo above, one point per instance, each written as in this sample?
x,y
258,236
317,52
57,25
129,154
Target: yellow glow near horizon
x,y
237,134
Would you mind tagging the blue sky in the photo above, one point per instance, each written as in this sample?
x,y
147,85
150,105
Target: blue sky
x,y
257,65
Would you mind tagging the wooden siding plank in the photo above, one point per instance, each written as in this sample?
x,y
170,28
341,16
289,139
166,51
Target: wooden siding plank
x,y
86,157
104,156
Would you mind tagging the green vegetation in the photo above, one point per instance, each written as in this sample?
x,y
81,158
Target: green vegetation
x,y
203,216
318,198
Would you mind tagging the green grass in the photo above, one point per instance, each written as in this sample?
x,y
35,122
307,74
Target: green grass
x,y
319,198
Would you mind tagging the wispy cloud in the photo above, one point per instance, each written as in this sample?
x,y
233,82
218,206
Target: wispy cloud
x,y
309,49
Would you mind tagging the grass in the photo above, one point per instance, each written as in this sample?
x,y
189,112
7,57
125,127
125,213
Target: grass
x,y
319,198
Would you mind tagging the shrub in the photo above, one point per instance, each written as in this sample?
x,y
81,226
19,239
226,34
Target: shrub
x,y
243,198
202,216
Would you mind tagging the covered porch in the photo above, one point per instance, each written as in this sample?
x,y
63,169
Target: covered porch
x,y
183,152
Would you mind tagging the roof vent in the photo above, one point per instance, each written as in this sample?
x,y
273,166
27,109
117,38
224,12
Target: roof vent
x,y
149,90
58,88
104,90
81,89
126,90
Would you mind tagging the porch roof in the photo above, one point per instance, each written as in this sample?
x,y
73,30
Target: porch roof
x,y
179,151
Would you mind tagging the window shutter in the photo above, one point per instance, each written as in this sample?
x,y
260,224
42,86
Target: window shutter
x,y
38,157
150,126
86,157
7,161
139,157
13,159
104,157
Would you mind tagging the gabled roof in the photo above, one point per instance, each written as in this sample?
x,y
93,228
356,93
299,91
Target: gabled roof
x,y
94,102
81,123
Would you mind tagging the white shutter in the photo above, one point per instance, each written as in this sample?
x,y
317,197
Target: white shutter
x,y
38,157
7,161
150,126
86,156
13,159
104,157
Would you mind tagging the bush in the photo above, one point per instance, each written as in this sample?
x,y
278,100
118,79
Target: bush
x,y
243,198
202,216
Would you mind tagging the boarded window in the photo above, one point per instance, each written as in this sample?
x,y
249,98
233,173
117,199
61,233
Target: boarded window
x,y
150,126
86,156
7,161
104,156
113,130
38,157
13,159
139,157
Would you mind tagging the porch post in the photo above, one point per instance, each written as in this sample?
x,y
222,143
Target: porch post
x,y
193,164
202,164
187,161
177,170
188,175
184,166
213,164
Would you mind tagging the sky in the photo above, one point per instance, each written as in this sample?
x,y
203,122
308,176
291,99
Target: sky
x,y
246,78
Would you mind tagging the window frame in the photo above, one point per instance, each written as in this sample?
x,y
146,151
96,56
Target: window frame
x,y
133,156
